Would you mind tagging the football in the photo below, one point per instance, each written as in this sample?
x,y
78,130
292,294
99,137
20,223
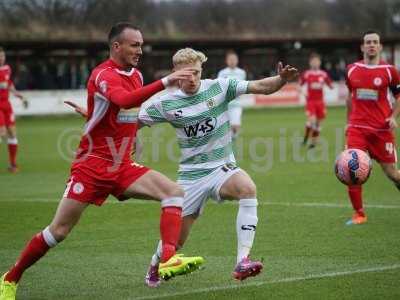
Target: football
x,y
353,167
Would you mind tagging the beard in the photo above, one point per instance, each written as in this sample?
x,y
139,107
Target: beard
x,y
131,63
372,56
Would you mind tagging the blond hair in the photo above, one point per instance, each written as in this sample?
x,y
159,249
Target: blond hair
x,y
188,56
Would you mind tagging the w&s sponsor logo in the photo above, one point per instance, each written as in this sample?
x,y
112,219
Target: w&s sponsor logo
x,y
201,128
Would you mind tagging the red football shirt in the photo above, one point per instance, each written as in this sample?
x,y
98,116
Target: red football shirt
x,y
370,87
111,129
315,80
5,82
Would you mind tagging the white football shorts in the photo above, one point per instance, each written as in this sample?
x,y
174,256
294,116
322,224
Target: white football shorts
x,y
198,191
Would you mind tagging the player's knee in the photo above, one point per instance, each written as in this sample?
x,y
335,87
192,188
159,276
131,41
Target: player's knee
x,y
394,175
174,191
248,190
3,132
11,136
60,232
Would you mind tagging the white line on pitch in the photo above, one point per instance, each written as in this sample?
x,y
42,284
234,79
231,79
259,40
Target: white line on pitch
x,y
268,203
332,205
283,280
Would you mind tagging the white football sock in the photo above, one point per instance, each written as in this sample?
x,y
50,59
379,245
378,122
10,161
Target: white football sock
x,y
49,238
155,260
12,141
246,223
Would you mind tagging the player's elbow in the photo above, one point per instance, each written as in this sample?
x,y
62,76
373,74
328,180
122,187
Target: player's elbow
x,y
126,103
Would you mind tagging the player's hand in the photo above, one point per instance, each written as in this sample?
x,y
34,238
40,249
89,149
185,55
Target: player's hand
x,y
79,109
25,103
287,73
392,122
173,78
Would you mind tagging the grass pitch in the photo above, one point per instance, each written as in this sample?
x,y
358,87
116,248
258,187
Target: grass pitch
x,y
308,251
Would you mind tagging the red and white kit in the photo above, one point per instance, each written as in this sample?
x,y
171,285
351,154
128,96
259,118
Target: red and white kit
x,y
103,162
315,81
371,104
6,112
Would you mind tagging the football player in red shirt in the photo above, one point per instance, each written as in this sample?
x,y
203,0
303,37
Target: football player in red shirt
x,y
315,79
102,165
372,115
7,118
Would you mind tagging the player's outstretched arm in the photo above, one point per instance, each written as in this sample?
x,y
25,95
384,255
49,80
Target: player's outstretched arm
x,y
129,99
79,109
83,112
272,84
17,94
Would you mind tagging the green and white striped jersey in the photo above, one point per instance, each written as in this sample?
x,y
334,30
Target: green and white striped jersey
x,y
201,122
233,73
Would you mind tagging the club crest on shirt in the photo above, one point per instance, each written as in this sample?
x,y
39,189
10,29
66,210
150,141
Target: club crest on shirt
x,y
103,86
377,81
210,103
78,188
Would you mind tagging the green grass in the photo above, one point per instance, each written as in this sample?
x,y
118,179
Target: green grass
x,y
107,254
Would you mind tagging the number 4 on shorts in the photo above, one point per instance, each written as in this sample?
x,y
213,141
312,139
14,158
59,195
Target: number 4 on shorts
x,y
389,148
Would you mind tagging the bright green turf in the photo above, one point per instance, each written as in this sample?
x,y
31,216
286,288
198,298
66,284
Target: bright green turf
x,y
106,256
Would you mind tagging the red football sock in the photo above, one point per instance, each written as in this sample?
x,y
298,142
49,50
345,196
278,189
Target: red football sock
x,y
315,133
34,250
355,194
170,227
12,154
307,132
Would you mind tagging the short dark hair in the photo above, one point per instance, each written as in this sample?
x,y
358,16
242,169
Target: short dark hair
x,y
370,31
2,49
230,52
117,29
315,55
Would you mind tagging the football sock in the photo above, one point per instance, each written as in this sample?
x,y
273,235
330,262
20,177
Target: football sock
x,y
307,132
235,134
34,250
246,224
355,194
316,131
170,226
12,150
155,260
